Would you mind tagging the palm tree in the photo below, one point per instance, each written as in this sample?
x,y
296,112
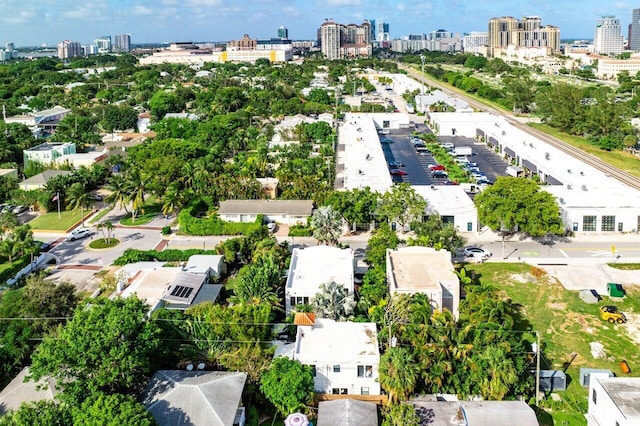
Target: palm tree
x,y
334,302
10,248
327,224
398,373
502,373
172,200
109,227
258,283
118,196
135,187
77,198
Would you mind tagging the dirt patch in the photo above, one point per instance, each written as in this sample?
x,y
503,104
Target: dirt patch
x,y
633,327
523,278
557,306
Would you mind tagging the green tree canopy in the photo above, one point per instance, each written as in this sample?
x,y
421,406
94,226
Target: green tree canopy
x,y
402,204
518,204
108,346
112,410
288,385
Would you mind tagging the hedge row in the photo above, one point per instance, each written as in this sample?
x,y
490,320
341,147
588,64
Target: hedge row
x,y
300,231
213,225
169,255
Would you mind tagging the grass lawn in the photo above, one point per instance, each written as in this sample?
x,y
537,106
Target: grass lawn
x,y
103,243
101,214
144,216
567,326
619,159
50,221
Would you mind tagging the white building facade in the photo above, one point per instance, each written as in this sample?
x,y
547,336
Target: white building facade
x,y
613,401
608,40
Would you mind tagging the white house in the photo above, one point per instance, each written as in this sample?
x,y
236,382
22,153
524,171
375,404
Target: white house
x,y
344,356
452,204
425,270
311,267
289,212
613,401
211,265
48,152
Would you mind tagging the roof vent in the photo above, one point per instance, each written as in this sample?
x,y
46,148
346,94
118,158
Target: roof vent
x,y
569,187
561,200
584,187
546,155
568,170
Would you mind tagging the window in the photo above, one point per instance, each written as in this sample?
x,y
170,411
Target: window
x,y
588,223
313,370
364,391
336,368
365,371
292,301
343,391
608,223
339,391
469,226
594,397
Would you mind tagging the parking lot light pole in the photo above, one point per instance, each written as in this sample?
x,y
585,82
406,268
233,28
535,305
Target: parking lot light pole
x,y
422,76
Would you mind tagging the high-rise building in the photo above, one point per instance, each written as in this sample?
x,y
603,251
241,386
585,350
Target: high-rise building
x,y
283,32
103,43
383,32
69,49
122,43
339,41
475,42
9,47
527,32
608,40
634,30
372,36
331,39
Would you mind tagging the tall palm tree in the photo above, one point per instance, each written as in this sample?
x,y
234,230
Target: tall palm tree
x,y
135,187
501,373
118,196
398,373
172,200
327,225
77,198
334,302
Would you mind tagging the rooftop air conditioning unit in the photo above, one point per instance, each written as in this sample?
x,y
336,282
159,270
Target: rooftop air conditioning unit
x,y
569,187
546,155
568,170
561,200
584,187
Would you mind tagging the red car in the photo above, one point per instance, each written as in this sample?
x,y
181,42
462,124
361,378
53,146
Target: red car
x,y
397,172
434,167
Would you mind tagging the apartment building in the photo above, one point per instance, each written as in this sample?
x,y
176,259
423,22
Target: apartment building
x,y
608,39
68,49
345,41
527,32
122,43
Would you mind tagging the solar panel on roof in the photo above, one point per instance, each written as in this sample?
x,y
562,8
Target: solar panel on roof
x,y
181,292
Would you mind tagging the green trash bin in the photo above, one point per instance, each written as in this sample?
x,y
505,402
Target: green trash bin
x,y
615,290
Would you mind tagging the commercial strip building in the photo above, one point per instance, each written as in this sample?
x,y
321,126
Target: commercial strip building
x,y
590,200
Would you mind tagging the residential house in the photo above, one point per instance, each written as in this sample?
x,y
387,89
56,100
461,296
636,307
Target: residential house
x,y
347,412
182,116
172,288
210,265
9,173
196,398
84,159
40,180
19,391
613,401
48,152
344,356
425,270
45,121
310,267
438,412
288,212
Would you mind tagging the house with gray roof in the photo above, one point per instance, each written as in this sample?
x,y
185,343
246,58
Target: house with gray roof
x,y
347,412
288,212
195,398
40,180
18,391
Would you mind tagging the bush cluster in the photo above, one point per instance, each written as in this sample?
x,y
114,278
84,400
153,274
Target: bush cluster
x,y
300,231
213,225
169,255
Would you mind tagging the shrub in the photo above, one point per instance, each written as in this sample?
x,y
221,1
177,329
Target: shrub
x,y
166,230
170,255
300,231
213,225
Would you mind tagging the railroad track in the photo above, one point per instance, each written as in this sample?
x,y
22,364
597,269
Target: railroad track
x,y
618,174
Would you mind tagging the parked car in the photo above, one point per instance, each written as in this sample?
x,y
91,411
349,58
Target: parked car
x,y
384,132
473,251
434,167
43,246
395,164
447,145
397,172
419,144
7,208
19,209
79,233
386,140
483,181
439,174
95,197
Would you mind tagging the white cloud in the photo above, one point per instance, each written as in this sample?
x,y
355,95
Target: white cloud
x,y
343,2
22,17
401,7
204,3
141,10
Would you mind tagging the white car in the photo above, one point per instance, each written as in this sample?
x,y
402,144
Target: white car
x,y
19,209
79,233
271,226
473,251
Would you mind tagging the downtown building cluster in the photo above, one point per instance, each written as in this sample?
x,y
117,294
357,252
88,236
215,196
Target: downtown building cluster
x,y
68,49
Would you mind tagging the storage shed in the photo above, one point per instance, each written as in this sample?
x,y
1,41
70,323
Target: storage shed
x,y
552,380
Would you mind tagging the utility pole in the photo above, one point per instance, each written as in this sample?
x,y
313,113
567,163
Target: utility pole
x,y
422,76
539,349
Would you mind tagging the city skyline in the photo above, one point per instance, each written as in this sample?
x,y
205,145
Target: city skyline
x,y
37,22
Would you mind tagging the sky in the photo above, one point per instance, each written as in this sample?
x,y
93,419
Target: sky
x,y
38,22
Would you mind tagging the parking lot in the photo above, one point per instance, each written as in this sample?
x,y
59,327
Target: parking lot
x,y
416,164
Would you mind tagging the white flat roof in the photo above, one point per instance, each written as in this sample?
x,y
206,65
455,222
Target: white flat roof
x,y
625,394
418,268
445,199
150,284
313,266
364,162
338,342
